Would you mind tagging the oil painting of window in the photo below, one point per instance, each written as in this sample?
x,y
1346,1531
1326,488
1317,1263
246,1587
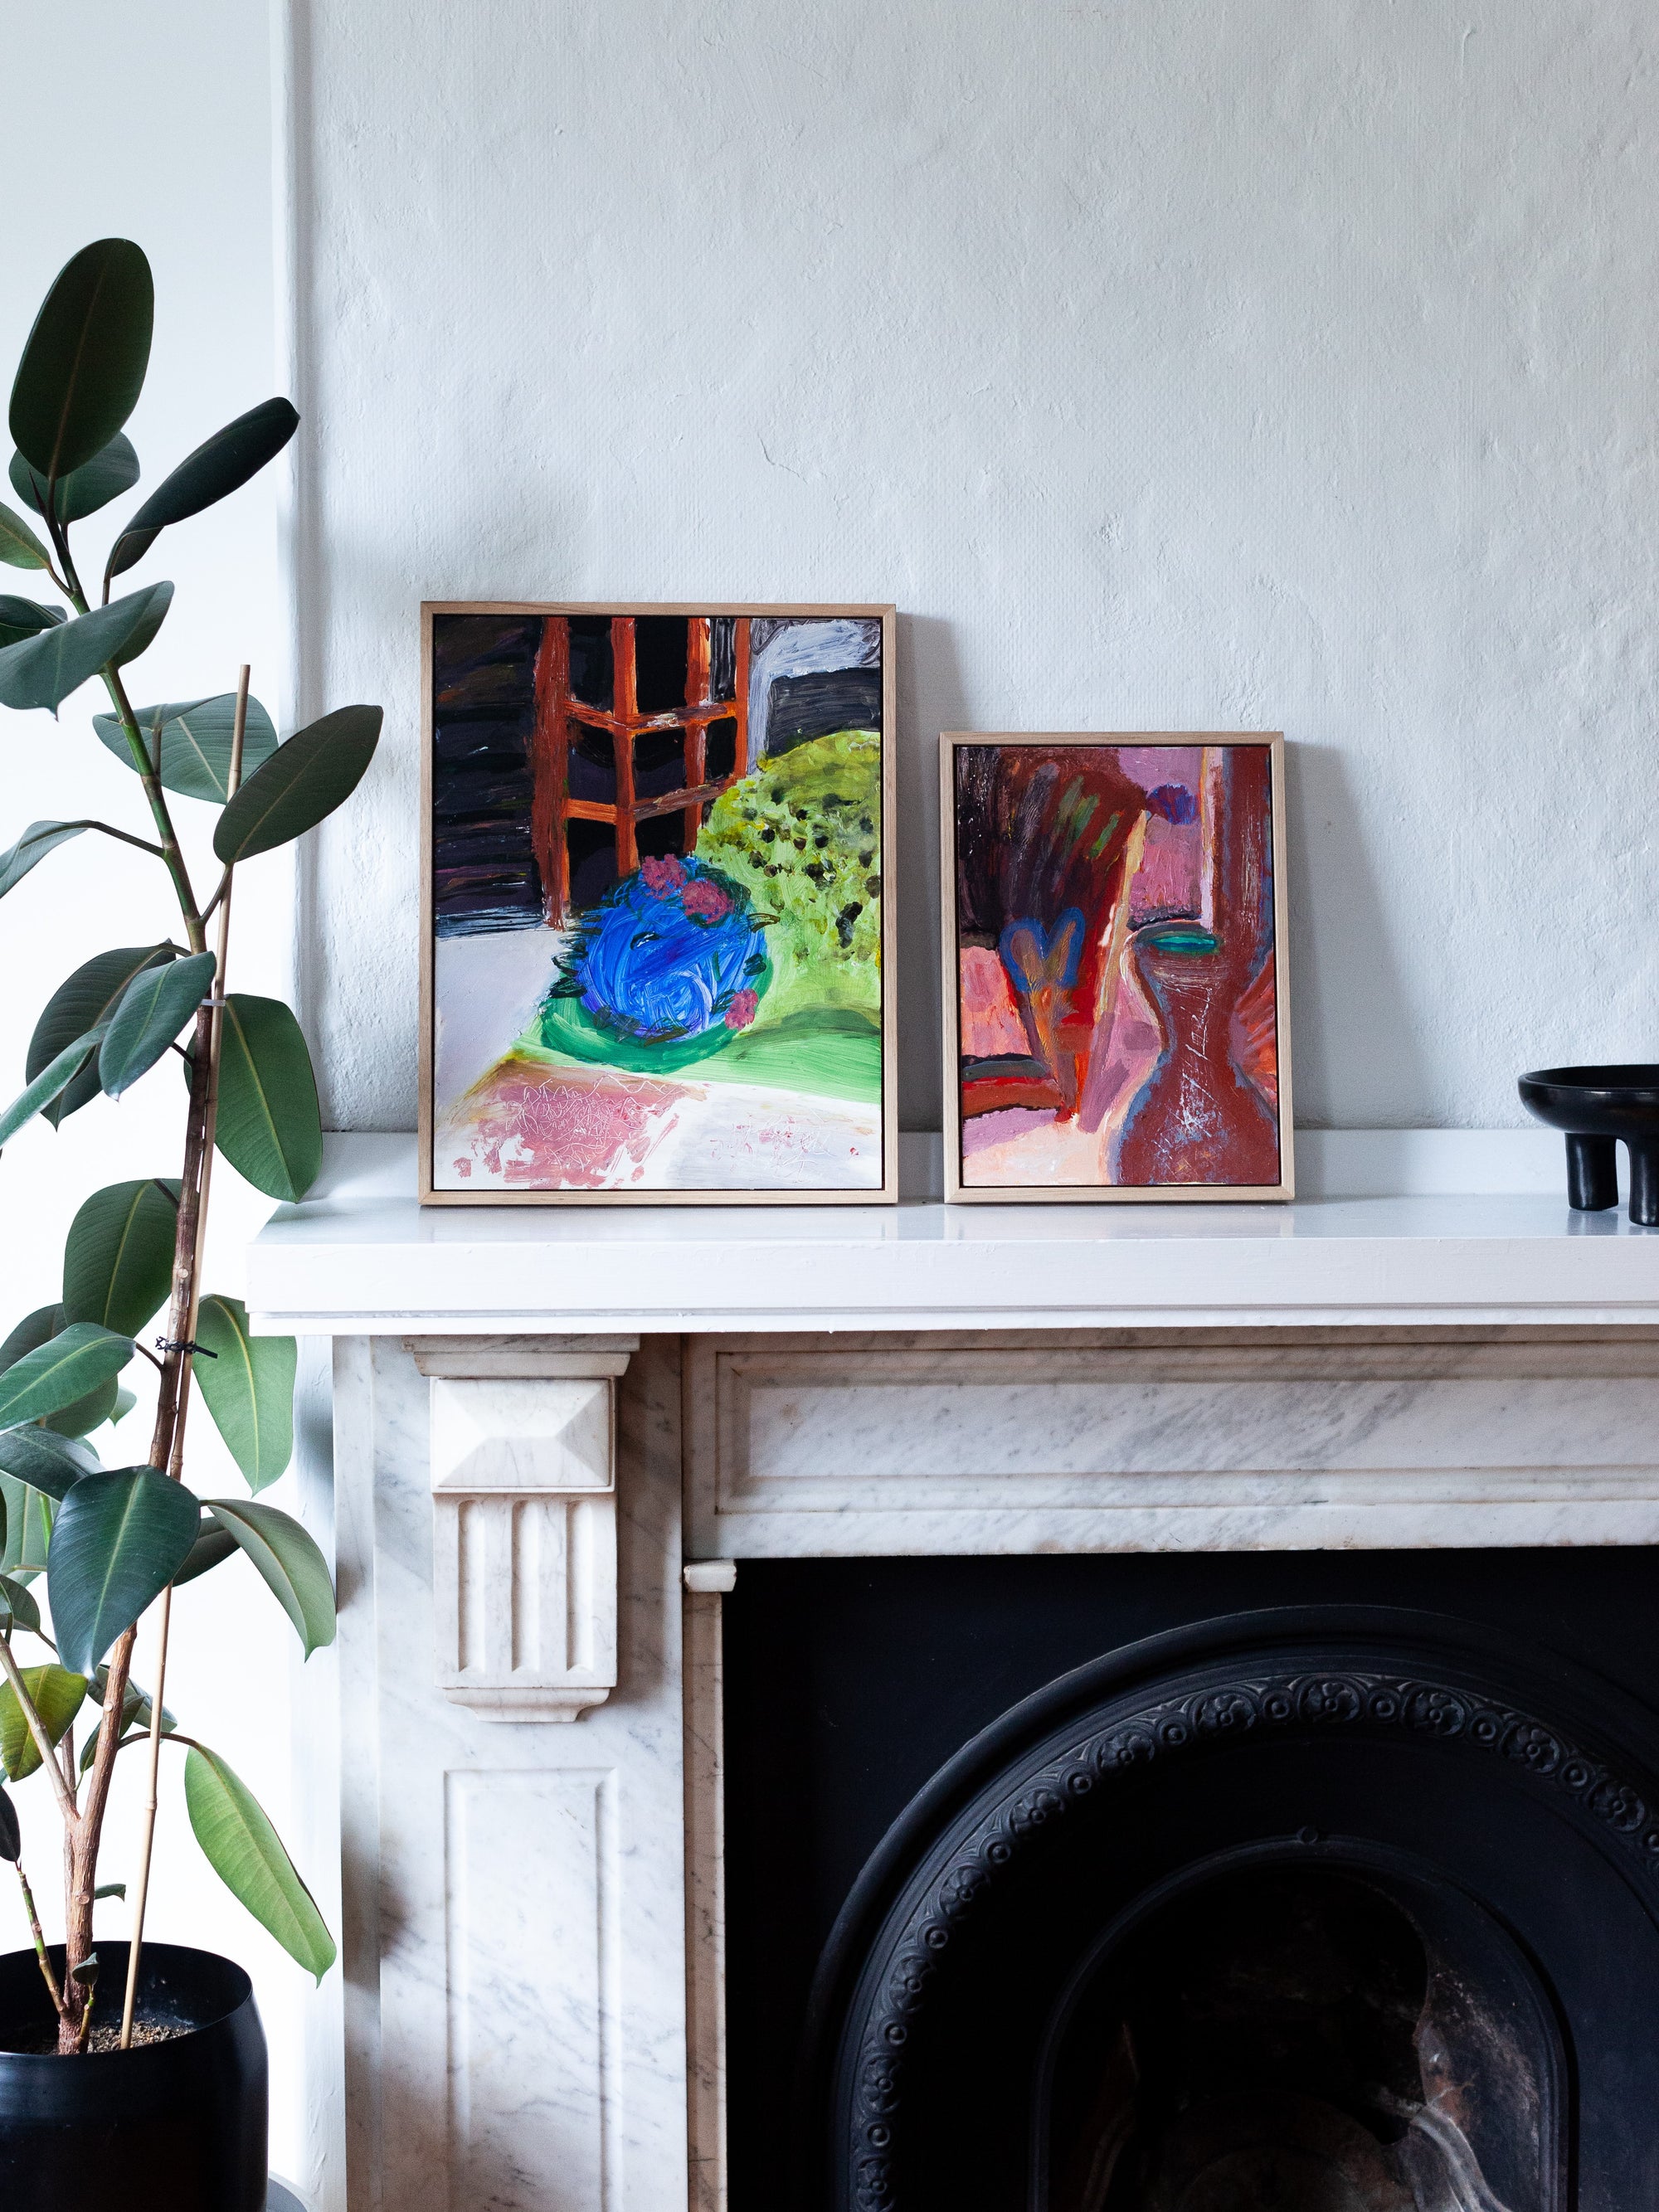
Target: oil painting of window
x,y
658,941
1116,1018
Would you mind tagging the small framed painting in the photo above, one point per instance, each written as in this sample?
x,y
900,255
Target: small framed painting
x,y
1116,1014
657,938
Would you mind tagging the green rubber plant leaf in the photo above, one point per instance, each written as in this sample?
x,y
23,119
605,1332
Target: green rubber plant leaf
x,y
42,671
34,1330
33,846
84,361
270,1125
22,619
89,997
45,1461
54,1078
117,1258
67,1423
302,782
55,1374
246,1854
118,1540
17,1609
19,546
28,1516
84,1414
56,1695
219,465
287,1557
156,1006
214,1545
192,738
11,1834
111,471
154,615
249,1388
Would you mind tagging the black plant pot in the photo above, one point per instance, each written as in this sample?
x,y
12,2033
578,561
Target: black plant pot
x,y
177,2126
1599,1109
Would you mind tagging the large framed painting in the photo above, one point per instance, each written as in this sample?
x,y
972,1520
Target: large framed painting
x,y
658,933
1116,1011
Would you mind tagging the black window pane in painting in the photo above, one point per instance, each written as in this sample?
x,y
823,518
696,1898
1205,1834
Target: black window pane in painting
x,y
723,657
591,670
659,650
662,834
658,763
720,750
592,770
592,847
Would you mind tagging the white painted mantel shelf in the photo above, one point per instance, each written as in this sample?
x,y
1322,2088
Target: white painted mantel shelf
x,y
1425,1228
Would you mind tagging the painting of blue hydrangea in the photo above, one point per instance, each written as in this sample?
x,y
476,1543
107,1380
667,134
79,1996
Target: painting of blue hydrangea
x,y
657,937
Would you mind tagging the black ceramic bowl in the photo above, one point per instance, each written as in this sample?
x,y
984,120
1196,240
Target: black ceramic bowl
x,y
1597,1108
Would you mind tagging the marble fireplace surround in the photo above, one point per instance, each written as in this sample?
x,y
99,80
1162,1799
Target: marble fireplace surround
x,y
536,1523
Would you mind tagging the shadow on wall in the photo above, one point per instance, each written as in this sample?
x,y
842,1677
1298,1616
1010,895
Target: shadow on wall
x,y
1333,949
930,699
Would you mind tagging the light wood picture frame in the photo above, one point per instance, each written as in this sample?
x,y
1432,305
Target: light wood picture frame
x,y
657,927
1115,967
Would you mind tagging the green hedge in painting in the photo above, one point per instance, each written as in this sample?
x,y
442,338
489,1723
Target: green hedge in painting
x,y
102,1546
802,835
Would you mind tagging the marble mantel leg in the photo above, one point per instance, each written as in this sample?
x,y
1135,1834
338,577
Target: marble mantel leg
x,y
514,1935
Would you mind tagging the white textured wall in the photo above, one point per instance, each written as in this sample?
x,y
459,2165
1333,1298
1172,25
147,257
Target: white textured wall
x,y
154,123
1170,363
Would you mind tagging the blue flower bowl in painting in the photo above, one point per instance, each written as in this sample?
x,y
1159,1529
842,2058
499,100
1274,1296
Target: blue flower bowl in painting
x,y
671,952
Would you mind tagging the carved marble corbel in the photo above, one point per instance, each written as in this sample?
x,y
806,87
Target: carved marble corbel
x,y
523,1528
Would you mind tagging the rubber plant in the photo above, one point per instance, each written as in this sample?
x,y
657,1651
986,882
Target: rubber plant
x,y
110,1543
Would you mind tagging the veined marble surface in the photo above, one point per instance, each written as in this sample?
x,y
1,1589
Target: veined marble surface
x,y
534,1913
515,1903
916,1444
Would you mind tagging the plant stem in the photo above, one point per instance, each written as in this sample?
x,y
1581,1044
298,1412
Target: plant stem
x,y
38,1729
193,1308
149,770
83,1836
83,1826
39,1942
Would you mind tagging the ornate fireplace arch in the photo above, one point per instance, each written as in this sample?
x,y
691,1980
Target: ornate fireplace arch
x,y
1084,1775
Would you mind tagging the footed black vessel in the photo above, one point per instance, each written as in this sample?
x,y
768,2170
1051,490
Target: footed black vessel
x,y
1598,1108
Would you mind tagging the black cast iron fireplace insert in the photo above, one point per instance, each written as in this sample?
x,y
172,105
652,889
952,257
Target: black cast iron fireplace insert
x,y
1334,1909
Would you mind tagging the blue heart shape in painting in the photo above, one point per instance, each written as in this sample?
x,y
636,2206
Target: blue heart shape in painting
x,y
1037,958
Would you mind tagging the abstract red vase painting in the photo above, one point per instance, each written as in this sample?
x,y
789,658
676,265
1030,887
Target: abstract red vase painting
x,y
1116,1015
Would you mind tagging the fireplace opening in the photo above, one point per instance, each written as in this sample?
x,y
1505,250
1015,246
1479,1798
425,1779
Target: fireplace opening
x,y
1330,1907
1305,2037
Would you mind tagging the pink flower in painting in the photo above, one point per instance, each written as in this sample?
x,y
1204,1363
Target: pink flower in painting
x,y
663,877
706,902
742,1010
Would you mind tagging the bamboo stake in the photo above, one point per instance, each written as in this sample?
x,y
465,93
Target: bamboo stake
x,y
176,1456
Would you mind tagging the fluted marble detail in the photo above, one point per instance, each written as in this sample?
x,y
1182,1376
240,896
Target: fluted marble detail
x,y
524,1543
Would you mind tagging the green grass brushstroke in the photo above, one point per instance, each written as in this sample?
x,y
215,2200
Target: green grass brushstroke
x,y
826,1052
